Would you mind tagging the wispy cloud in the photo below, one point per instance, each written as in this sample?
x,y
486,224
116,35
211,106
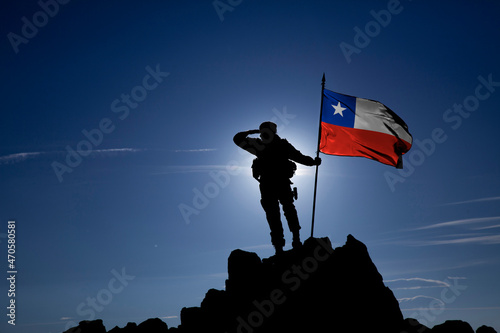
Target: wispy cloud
x,y
112,152
472,201
479,240
258,247
19,157
421,266
481,308
470,231
420,298
488,227
117,150
194,169
460,222
202,150
220,275
415,283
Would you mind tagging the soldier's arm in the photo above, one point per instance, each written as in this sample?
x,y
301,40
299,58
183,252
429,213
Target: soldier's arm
x,y
298,157
242,140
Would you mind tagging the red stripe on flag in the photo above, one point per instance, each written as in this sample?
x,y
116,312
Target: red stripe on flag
x,y
344,141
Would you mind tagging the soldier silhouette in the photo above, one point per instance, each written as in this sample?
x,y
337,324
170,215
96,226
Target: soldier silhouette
x,y
273,168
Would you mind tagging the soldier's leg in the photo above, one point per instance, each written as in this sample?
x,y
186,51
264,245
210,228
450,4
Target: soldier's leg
x,y
286,199
270,203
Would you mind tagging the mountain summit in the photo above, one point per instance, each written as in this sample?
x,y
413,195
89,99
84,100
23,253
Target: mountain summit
x,y
311,289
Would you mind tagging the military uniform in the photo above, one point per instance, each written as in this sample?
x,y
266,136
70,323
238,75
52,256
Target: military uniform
x,y
273,168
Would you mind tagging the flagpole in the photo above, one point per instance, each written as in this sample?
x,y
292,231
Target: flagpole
x,y
317,154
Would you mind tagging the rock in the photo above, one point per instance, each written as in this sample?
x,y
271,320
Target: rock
x,y
413,326
485,329
130,328
86,326
153,325
193,319
243,271
315,288
311,289
453,326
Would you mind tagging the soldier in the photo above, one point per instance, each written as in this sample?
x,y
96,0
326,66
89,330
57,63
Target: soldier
x,y
273,168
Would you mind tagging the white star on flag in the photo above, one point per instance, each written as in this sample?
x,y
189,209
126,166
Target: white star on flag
x,y
338,109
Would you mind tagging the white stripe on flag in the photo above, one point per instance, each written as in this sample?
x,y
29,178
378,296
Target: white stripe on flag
x,y
374,116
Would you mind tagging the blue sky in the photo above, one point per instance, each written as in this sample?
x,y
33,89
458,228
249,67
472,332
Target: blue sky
x,y
117,115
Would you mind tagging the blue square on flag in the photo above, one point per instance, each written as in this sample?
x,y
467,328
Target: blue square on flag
x,y
339,109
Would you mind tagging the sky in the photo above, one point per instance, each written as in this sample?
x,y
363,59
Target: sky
x,y
128,194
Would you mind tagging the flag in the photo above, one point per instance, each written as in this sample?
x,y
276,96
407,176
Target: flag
x,y
352,126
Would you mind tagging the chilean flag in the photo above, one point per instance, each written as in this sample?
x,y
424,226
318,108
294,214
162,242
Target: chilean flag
x,y
352,126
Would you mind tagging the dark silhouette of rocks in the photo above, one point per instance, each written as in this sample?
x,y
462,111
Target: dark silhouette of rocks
x,y
129,328
86,326
455,326
450,326
311,289
485,329
153,325
314,288
411,325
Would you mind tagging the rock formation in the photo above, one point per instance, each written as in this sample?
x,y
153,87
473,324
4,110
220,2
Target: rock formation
x,y
312,289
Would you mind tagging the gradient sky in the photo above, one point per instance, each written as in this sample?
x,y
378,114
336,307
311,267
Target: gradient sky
x,y
161,87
